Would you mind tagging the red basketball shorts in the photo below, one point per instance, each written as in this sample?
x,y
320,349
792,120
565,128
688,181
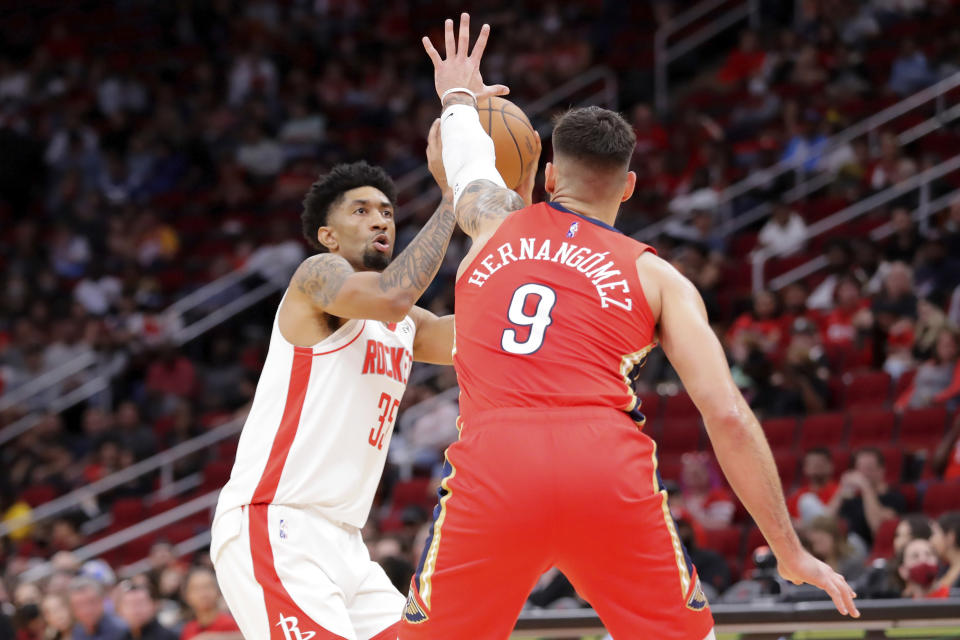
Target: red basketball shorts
x,y
525,490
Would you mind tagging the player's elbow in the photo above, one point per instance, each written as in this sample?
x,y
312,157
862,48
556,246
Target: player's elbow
x,y
397,306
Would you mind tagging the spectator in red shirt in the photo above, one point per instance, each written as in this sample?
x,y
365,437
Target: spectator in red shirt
x,y
701,495
210,622
762,327
810,500
846,328
744,62
172,374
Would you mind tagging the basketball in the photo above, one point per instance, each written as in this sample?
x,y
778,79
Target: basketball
x,y
513,137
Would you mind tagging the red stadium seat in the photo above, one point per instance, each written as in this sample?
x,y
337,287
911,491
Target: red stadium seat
x,y
922,428
649,407
871,427
780,432
679,436
941,497
127,511
162,506
669,466
787,465
38,494
893,458
679,406
821,430
726,541
871,388
883,539
215,475
415,491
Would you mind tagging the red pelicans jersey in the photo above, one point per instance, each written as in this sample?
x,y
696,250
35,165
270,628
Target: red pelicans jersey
x,y
318,431
551,313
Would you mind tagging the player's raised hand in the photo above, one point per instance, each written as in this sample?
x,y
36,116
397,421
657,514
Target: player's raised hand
x,y
435,156
460,67
805,568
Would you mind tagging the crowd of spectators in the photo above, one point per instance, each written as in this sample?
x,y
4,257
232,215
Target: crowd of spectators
x,y
158,147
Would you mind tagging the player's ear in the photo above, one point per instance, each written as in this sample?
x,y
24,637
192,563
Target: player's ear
x,y
629,186
550,178
327,236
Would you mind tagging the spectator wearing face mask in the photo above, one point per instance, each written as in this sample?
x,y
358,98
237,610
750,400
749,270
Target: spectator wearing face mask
x,y
917,568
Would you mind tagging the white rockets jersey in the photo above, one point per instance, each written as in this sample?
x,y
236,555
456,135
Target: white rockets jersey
x,y
318,431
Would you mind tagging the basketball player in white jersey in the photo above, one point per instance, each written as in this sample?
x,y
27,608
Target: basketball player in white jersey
x,y
286,540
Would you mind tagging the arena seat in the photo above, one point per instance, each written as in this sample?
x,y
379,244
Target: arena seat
x,y
127,511
679,436
871,427
780,432
679,406
871,388
883,539
415,491
215,475
941,497
38,494
922,428
824,430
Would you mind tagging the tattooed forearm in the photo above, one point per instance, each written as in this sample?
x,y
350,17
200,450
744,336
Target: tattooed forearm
x,y
320,277
484,201
416,266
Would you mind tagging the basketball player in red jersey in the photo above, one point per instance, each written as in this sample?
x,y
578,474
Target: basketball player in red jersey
x,y
555,310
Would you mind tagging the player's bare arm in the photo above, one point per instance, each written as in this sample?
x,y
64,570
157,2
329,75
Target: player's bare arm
x,y
742,450
331,285
433,342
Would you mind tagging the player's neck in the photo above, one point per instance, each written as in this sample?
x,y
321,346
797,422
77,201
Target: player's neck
x,y
602,212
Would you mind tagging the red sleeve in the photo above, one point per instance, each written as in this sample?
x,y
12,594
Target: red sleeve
x,y
953,389
190,630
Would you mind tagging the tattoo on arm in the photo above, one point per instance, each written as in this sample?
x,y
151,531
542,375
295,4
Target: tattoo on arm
x,y
416,266
321,276
484,201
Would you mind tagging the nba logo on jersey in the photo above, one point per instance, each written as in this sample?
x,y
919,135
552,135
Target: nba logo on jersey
x,y
283,529
572,231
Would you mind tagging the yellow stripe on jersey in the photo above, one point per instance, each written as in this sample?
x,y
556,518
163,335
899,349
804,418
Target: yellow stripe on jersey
x,y
674,538
430,564
627,363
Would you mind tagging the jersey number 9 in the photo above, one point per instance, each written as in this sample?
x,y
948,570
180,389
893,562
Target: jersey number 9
x,y
538,322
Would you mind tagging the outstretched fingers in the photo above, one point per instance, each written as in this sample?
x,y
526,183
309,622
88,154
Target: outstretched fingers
x,y
463,46
431,51
449,42
480,45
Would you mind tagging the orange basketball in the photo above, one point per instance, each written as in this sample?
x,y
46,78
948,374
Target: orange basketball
x,y
513,137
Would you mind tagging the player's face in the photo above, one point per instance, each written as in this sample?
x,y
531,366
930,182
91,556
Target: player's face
x,y
363,228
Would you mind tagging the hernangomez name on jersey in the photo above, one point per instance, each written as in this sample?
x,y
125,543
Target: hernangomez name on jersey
x,y
319,429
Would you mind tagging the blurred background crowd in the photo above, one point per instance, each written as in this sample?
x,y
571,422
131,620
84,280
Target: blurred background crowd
x,y
147,149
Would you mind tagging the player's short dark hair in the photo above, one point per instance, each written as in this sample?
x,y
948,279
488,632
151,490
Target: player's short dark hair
x,y
329,189
595,136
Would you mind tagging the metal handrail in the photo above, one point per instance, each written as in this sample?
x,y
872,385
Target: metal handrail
x,y
118,478
760,256
122,537
665,54
803,187
919,214
197,542
47,379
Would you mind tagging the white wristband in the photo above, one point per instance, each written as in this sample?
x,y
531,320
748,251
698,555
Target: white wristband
x,y
458,90
468,152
